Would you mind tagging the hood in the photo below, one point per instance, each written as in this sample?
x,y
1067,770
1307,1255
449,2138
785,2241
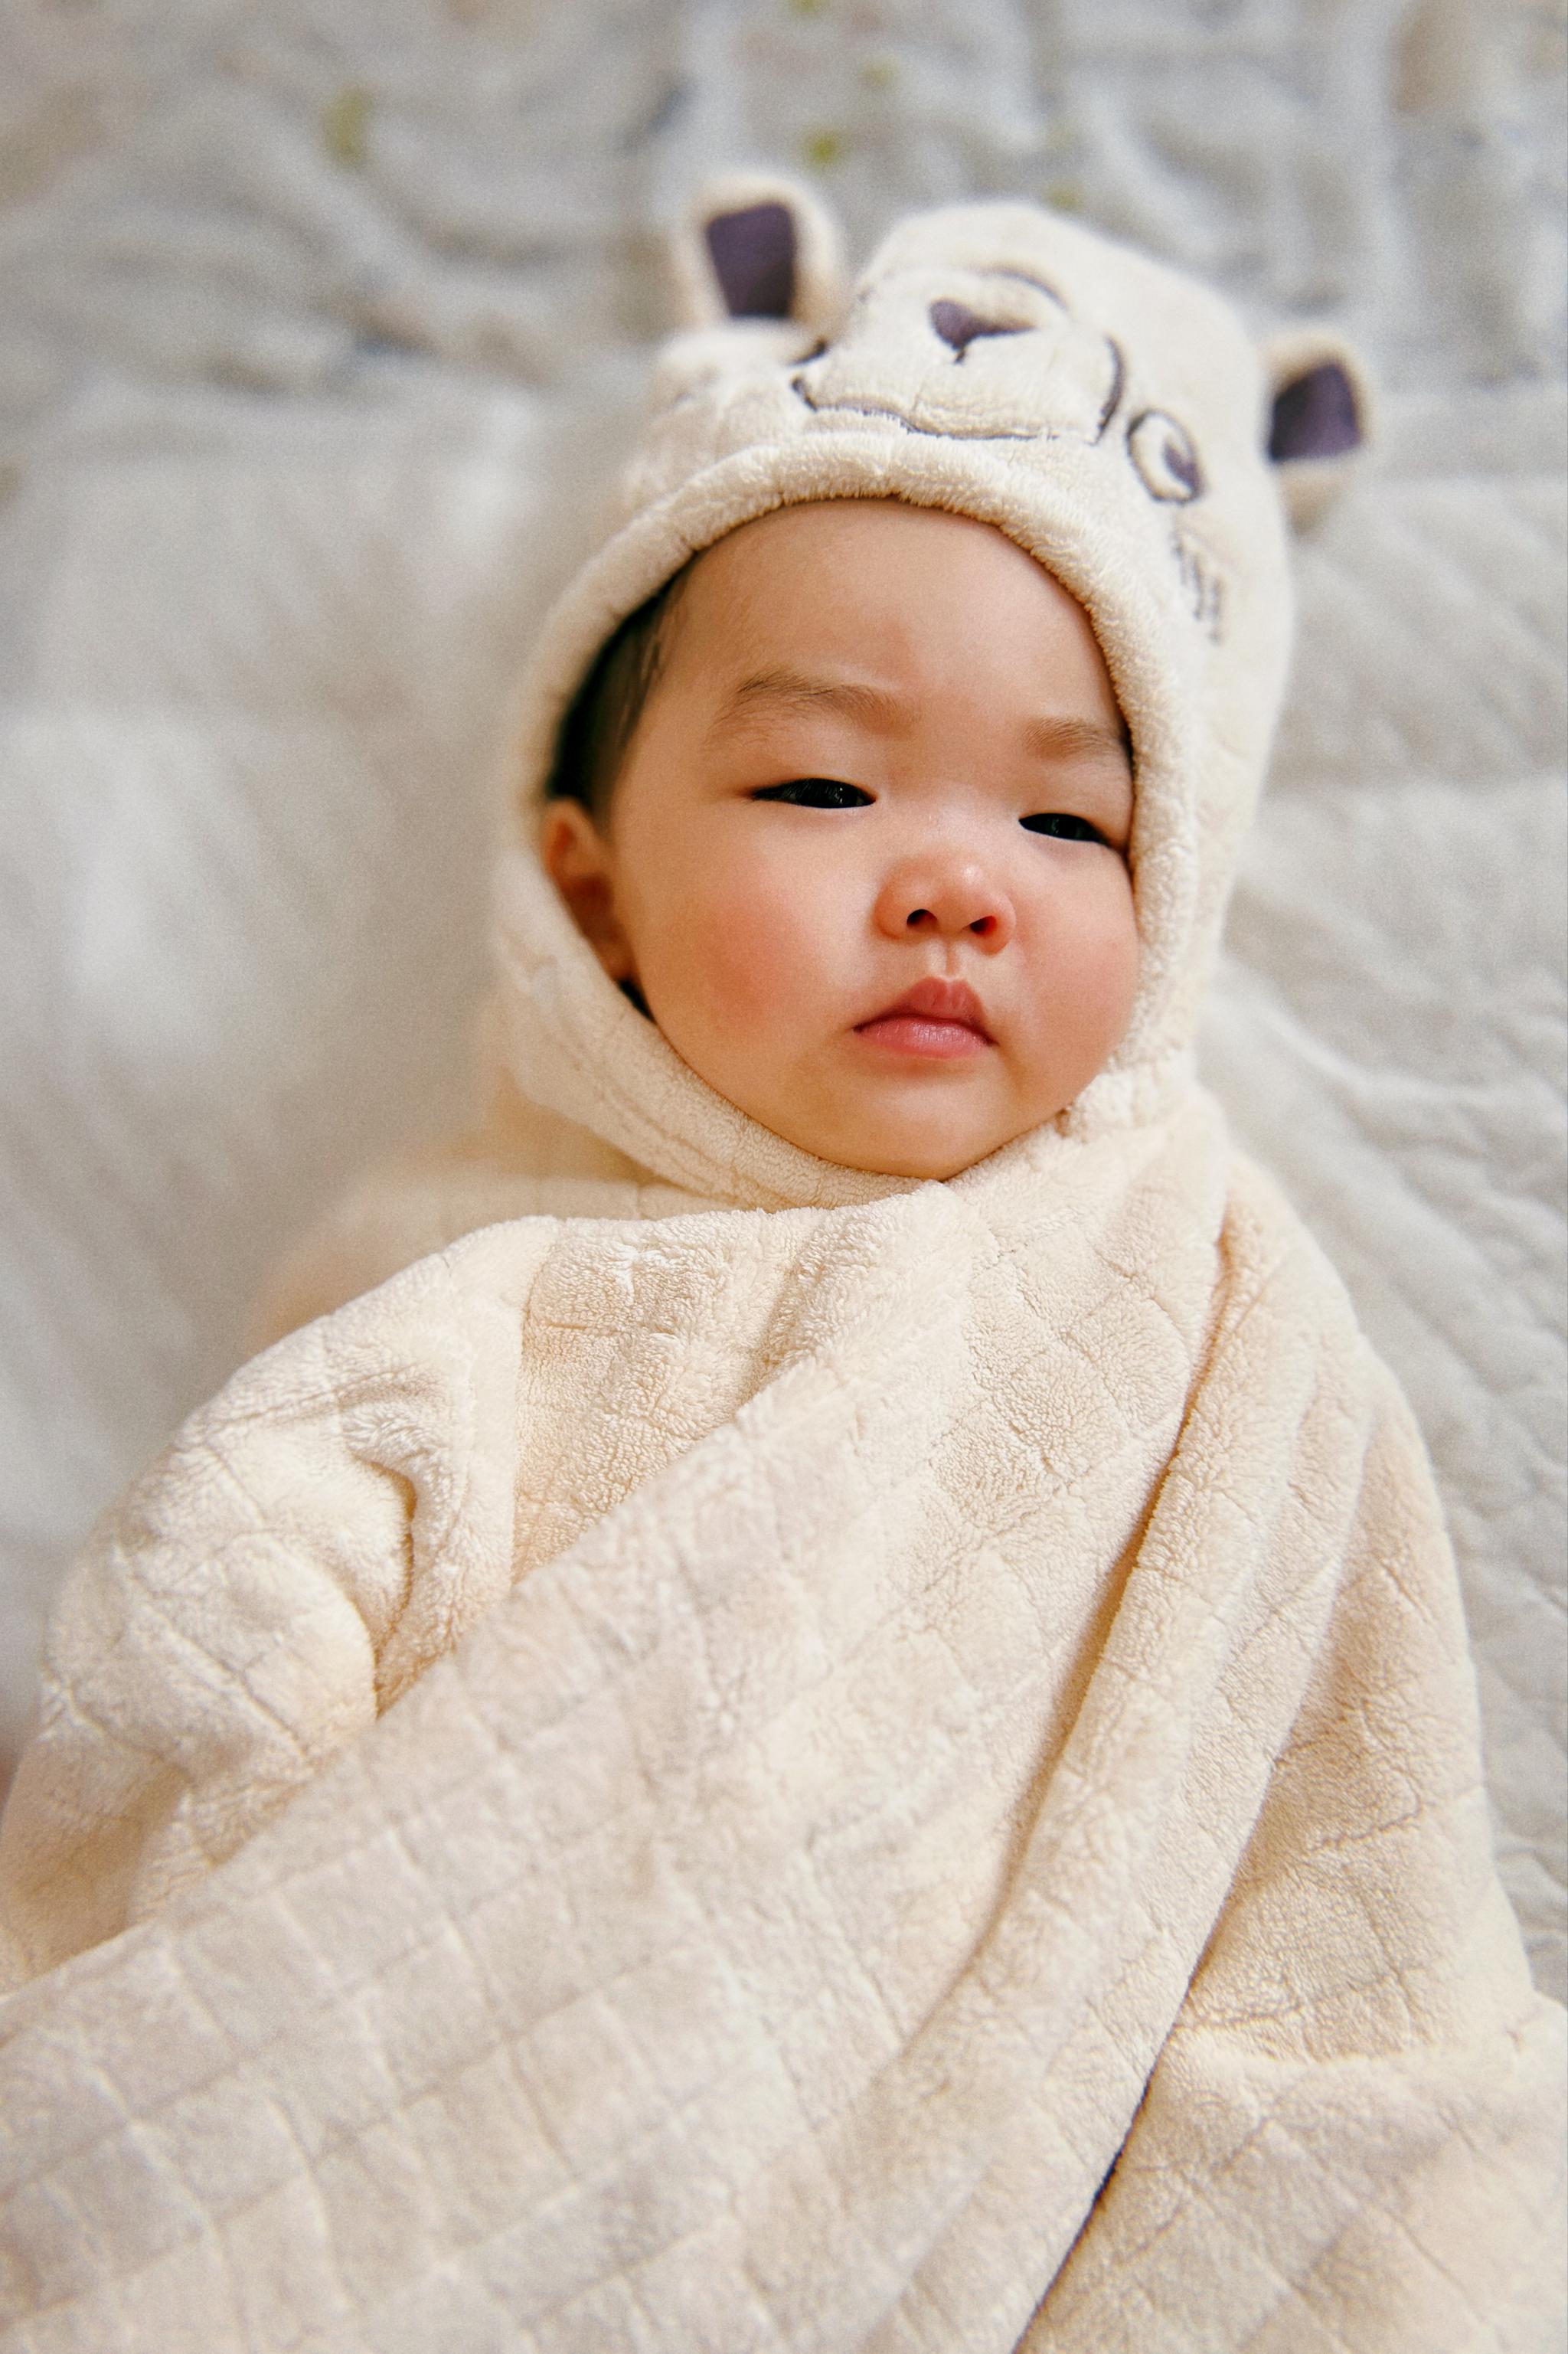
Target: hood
x,y
1113,417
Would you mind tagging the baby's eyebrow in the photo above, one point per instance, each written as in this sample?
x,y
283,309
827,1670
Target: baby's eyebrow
x,y
793,690
1058,740
880,707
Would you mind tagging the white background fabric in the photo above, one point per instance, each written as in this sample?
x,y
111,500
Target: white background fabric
x,y
321,325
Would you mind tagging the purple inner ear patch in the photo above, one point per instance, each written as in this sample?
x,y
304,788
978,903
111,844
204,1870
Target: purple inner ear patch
x,y
753,255
1315,415
958,326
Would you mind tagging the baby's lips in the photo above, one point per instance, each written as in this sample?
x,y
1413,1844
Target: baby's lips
x,y
937,999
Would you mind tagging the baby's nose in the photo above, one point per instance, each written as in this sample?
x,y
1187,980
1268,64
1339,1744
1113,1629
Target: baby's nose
x,y
946,902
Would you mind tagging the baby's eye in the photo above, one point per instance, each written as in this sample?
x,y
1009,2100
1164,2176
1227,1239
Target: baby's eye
x,y
1063,827
815,792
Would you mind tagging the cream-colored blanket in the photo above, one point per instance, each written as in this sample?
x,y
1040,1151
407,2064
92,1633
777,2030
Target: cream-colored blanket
x,y
983,1703
761,1757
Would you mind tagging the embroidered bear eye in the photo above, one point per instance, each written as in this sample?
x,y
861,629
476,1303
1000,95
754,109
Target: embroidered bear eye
x,y
1162,449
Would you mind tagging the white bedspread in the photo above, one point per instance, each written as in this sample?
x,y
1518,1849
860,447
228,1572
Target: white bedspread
x,y
296,445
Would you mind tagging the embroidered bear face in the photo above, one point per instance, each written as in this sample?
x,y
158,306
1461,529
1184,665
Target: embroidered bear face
x,y
923,345
978,354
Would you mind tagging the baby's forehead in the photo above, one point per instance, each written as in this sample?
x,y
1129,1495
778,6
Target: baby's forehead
x,y
879,585
829,561
825,527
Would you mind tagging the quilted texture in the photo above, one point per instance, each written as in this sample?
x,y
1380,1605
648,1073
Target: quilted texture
x,y
897,1763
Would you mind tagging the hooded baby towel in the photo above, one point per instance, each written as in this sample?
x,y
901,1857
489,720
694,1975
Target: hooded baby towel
x,y
933,1796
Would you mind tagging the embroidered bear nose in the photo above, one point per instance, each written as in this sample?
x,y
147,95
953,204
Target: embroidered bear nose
x,y
958,326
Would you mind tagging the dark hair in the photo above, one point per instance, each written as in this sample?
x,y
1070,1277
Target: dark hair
x,y
601,718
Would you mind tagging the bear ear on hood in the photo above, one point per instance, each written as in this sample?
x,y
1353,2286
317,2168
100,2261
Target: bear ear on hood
x,y
755,246
1321,419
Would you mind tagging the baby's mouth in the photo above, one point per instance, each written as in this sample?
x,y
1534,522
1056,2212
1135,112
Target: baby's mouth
x,y
936,1020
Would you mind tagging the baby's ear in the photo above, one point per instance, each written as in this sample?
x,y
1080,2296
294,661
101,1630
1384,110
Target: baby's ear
x,y
757,246
1320,418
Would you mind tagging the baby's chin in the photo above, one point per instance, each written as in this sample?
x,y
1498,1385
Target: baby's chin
x,y
924,1152
923,1167
922,1130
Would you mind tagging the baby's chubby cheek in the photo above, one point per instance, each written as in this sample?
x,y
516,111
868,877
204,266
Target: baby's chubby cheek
x,y
1083,980
746,959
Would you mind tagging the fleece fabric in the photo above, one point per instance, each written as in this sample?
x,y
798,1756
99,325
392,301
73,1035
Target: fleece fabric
x,y
760,1756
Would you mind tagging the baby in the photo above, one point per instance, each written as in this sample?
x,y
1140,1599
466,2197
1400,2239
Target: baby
x,y
933,1798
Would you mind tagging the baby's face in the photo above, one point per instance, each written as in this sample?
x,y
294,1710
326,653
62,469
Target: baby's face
x,y
867,857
